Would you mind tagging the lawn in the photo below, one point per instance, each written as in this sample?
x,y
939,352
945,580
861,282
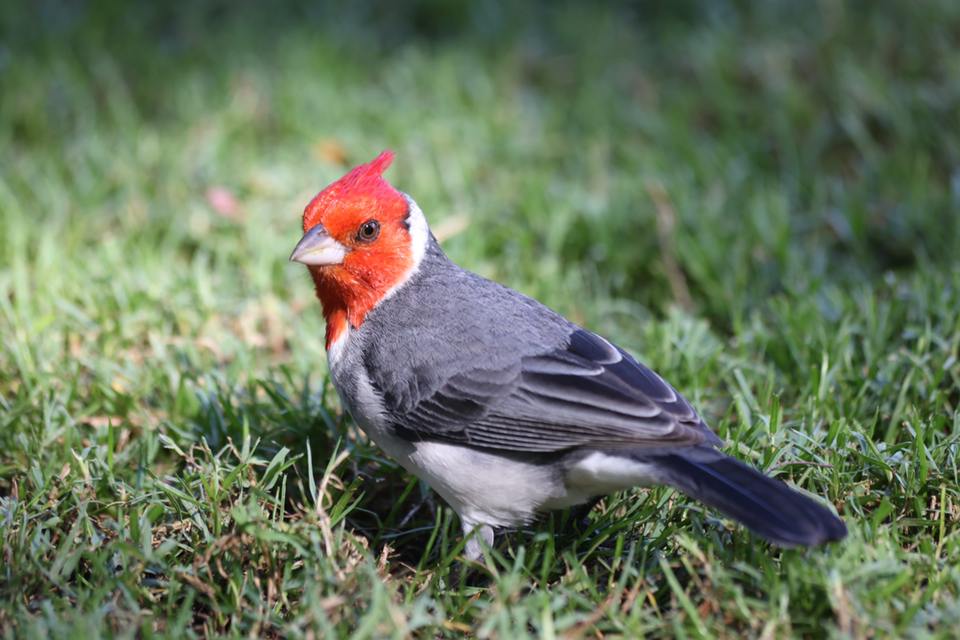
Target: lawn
x,y
760,200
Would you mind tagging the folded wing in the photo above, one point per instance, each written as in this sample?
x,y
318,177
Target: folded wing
x,y
589,394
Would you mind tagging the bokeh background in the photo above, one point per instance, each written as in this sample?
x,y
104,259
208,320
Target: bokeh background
x,y
760,199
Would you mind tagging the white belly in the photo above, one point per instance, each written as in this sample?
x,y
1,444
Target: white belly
x,y
481,486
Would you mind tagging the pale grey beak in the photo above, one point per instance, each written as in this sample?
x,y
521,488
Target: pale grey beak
x,y
316,247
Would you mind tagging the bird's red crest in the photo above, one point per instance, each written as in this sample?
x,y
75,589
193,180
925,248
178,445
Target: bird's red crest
x,y
362,189
350,289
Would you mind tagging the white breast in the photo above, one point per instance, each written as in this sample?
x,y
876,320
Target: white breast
x,y
480,486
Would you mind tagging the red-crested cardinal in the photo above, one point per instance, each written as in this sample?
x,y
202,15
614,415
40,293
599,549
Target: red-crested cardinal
x,y
501,405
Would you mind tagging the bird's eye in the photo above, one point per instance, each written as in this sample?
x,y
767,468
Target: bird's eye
x,y
368,231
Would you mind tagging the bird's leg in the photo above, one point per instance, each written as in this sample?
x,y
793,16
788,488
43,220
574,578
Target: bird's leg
x,y
580,514
473,531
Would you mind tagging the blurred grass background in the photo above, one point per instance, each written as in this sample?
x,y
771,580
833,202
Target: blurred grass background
x,y
760,199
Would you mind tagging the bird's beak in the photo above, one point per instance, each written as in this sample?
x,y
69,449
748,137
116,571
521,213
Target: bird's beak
x,y
316,247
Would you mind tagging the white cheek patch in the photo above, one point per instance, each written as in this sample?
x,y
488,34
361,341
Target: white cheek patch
x,y
419,232
419,238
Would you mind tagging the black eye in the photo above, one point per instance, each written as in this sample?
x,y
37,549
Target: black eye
x,y
368,231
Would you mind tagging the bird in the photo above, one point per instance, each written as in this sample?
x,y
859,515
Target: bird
x,y
504,407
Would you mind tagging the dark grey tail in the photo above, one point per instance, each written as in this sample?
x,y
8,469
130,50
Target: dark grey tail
x,y
768,507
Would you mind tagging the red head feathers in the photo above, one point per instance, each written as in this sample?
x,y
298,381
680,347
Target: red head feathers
x,y
357,244
363,189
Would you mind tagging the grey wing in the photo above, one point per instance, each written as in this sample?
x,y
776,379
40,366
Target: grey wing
x,y
589,394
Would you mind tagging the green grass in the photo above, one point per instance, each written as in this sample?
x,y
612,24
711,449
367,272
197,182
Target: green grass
x,y
761,200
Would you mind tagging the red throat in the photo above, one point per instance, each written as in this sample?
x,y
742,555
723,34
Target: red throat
x,y
348,291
